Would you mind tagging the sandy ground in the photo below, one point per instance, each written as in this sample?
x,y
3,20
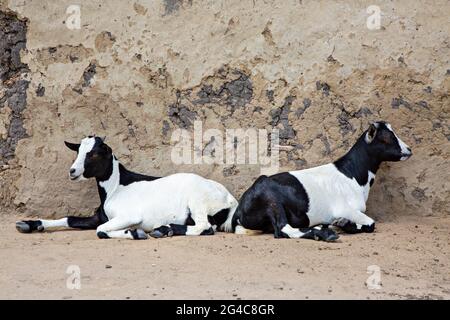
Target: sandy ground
x,y
413,256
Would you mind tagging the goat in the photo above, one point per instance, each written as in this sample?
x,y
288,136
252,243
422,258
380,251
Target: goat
x,y
133,204
293,204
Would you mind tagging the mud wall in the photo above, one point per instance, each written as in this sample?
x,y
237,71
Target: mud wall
x,y
137,71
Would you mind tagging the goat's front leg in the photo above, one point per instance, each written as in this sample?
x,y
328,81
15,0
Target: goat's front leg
x,y
355,222
83,223
133,234
121,228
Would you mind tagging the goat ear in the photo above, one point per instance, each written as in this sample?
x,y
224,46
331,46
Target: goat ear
x,y
72,146
371,133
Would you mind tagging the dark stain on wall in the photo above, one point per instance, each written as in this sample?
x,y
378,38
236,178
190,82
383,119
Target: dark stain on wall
x,y
326,144
397,102
363,112
235,93
180,115
324,87
281,116
419,194
12,40
89,73
269,95
165,128
230,88
40,91
172,6
230,171
344,123
301,110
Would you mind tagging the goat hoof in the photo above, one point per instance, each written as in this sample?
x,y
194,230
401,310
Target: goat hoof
x,y
325,234
341,222
156,234
369,228
23,227
331,237
162,232
29,226
139,234
102,235
208,232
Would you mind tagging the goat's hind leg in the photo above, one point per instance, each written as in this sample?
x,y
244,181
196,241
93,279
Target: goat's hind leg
x,y
182,230
133,234
195,225
121,228
322,233
172,229
282,228
357,222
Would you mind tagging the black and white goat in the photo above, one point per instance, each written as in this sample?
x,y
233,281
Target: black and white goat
x,y
293,204
133,204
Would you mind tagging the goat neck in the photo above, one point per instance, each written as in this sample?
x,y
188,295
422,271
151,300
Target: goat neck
x,y
108,184
358,162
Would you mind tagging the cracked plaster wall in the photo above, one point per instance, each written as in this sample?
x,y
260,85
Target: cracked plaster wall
x,y
136,71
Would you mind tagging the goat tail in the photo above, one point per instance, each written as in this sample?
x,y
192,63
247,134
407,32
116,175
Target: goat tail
x,y
241,230
231,222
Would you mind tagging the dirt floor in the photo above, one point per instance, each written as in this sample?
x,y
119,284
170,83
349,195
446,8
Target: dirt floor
x,y
413,256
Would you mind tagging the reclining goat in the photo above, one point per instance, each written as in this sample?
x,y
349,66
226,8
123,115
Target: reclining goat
x,y
293,204
133,204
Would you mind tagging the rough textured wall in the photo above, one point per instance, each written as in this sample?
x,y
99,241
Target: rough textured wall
x,y
136,71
